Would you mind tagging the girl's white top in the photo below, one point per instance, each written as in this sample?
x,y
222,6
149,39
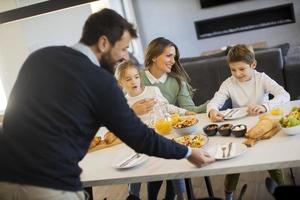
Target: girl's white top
x,y
153,92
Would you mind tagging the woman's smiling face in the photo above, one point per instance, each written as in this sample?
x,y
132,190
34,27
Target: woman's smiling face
x,y
166,60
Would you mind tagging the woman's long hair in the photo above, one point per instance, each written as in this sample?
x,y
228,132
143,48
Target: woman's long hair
x,y
156,48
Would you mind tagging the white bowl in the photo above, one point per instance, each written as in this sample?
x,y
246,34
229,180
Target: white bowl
x,y
294,130
188,140
186,130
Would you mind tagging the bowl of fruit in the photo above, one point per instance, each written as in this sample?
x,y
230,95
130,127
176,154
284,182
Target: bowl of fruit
x,y
290,123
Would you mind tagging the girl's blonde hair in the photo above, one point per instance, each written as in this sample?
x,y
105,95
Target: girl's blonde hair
x,y
156,48
241,52
121,68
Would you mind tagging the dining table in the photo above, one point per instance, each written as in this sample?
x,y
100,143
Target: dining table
x,y
280,151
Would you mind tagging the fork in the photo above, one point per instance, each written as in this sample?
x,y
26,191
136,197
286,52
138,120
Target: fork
x,y
223,150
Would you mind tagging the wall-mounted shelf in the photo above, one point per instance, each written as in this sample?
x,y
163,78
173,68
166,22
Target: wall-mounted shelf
x,y
266,17
37,9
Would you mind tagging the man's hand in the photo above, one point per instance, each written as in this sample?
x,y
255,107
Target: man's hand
x,y
215,116
143,106
256,109
200,157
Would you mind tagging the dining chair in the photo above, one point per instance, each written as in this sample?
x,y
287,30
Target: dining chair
x,y
281,192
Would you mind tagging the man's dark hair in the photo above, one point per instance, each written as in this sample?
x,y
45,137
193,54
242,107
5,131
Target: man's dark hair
x,y
107,23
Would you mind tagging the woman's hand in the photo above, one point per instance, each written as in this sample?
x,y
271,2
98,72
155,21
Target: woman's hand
x,y
143,106
190,113
215,116
256,109
200,158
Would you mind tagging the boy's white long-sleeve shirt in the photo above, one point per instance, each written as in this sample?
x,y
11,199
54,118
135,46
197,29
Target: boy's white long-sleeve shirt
x,y
153,92
253,92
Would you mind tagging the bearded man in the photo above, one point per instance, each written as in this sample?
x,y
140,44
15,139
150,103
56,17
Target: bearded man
x,y
61,97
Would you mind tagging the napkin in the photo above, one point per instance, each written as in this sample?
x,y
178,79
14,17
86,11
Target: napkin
x,y
235,113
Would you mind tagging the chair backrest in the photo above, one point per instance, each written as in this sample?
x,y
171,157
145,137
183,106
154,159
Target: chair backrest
x,y
283,192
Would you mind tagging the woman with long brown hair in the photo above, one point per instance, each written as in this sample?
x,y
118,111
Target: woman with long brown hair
x,y
163,69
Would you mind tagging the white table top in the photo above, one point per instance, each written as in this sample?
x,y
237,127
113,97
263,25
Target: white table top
x,y
281,151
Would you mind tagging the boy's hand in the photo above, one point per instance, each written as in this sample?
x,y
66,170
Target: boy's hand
x,y
256,109
190,113
215,116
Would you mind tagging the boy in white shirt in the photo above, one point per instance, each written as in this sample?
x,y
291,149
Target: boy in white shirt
x,y
246,88
128,77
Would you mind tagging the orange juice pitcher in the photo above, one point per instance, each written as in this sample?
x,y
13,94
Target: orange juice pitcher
x,y
162,122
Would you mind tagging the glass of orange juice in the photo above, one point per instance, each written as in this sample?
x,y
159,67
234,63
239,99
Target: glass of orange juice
x,y
277,111
174,118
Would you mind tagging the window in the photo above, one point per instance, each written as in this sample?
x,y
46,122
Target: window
x,y
124,8
2,99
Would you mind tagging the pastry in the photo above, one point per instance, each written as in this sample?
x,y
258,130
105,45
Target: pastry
x,y
95,141
109,137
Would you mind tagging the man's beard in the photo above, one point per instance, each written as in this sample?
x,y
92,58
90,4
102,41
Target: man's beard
x,y
108,63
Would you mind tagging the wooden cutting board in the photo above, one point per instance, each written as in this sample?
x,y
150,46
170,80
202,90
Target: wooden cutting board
x,y
103,145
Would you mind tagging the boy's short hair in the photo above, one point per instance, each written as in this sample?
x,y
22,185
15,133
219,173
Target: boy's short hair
x,y
241,53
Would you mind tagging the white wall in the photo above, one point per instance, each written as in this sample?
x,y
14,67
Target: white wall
x,y
13,52
18,39
174,19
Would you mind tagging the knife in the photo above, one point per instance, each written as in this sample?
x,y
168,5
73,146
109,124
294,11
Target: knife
x,y
229,149
129,159
232,113
228,114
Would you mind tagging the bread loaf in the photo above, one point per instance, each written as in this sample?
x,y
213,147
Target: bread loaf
x,y
262,127
271,133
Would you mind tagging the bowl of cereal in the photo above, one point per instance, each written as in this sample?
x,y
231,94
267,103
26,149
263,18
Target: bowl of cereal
x,y
225,129
211,129
239,130
186,125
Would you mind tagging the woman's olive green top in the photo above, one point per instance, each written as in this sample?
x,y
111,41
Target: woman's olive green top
x,y
172,92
